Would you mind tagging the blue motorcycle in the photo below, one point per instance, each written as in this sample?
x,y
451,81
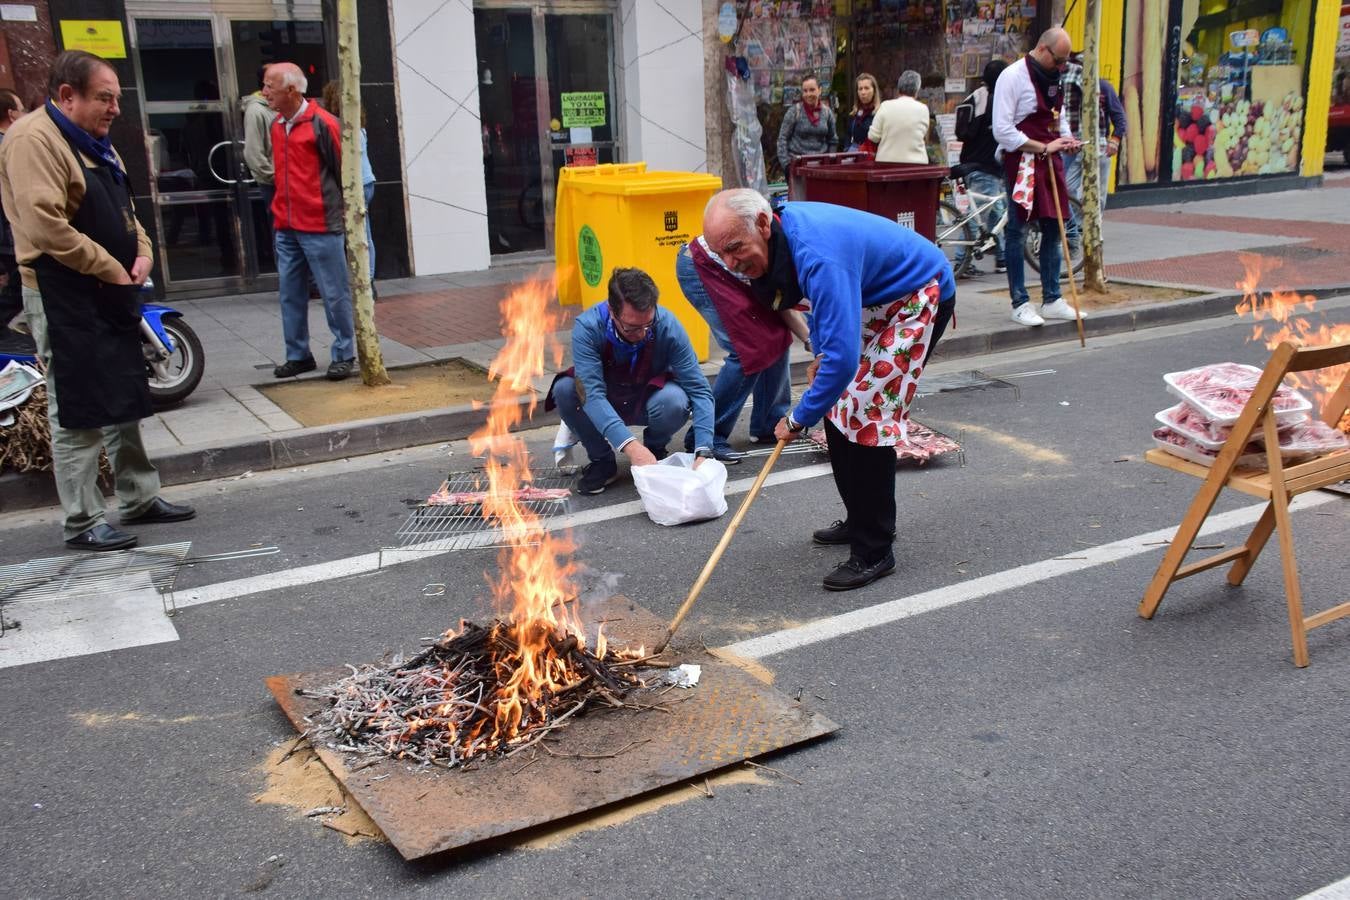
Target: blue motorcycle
x,y
174,359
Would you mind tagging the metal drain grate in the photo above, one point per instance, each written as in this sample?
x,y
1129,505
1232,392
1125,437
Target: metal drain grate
x,y
92,574
436,529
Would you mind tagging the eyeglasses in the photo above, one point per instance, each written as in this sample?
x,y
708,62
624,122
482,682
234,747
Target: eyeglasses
x,y
633,329
1060,61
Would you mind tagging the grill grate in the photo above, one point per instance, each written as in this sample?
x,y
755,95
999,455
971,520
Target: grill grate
x,y
92,574
437,529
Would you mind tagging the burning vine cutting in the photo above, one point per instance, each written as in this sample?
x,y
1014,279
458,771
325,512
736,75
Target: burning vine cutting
x,y
500,687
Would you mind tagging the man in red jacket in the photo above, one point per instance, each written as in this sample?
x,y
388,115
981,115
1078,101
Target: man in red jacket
x,y
307,213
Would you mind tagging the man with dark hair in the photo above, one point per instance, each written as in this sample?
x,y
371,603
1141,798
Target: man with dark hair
x,y
632,364
307,212
11,298
83,257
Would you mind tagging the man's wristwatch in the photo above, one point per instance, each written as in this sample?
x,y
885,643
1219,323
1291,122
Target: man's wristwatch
x,y
704,453
793,425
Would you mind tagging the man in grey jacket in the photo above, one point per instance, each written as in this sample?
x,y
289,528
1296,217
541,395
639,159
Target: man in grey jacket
x,y
258,118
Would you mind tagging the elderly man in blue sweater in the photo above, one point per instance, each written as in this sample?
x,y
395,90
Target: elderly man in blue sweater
x,y
880,297
632,364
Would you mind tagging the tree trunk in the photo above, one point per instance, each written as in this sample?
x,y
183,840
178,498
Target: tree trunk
x,y
1094,269
354,199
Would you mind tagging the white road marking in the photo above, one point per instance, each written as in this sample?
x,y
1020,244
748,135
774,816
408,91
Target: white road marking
x,y
367,563
1337,891
129,614
950,595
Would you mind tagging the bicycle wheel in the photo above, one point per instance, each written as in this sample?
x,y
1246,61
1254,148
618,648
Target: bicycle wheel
x,y
1032,246
956,237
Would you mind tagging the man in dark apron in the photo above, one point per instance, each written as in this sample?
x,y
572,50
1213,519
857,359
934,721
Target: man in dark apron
x,y
83,257
1031,133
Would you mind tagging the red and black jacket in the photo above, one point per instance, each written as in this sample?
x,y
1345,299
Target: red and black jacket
x,y
308,164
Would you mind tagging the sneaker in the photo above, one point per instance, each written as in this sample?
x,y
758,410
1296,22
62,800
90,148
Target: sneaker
x,y
1025,315
341,369
972,272
1060,309
293,367
999,267
763,439
854,573
728,457
597,476
834,534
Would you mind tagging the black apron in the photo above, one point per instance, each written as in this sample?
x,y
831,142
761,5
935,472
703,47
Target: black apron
x,y
94,327
626,390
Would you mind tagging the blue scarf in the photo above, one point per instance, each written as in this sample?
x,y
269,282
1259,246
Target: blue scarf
x,y
98,149
623,349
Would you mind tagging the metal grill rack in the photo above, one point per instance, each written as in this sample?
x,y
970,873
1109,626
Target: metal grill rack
x,y
437,529
92,574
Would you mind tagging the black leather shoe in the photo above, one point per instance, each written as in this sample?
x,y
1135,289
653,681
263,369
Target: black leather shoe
x,y
834,534
102,537
341,369
293,367
855,573
160,510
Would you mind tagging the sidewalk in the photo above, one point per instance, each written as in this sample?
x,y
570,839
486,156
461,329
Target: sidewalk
x,y
228,426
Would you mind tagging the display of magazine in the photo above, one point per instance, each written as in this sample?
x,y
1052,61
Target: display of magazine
x,y
16,383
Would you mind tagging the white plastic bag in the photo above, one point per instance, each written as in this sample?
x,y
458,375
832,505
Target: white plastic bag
x,y
673,492
563,442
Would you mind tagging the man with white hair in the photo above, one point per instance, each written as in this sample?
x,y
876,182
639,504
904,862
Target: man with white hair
x,y
1031,133
900,127
307,212
881,296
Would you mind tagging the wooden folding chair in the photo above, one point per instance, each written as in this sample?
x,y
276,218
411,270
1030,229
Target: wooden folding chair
x,y
1276,485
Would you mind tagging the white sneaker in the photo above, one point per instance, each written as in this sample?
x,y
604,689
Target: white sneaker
x,y
1060,309
1025,315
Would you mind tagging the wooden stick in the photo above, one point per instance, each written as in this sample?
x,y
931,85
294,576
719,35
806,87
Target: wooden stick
x,y
1068,262
720,548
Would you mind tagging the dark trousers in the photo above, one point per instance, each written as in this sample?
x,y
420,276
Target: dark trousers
x,y
865,476
865,479
11,295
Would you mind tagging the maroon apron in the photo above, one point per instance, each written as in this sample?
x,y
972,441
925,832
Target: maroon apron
x,y
1043,126
759,336
626,388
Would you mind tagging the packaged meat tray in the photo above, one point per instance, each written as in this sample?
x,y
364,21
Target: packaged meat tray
x,y
1311,438
1191,423
1219,391
1179,445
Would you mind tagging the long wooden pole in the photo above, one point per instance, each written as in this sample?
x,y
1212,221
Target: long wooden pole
x,y
720,548
1064,243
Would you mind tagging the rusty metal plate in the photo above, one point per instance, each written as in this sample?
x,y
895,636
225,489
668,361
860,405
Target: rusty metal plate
x,y
729,717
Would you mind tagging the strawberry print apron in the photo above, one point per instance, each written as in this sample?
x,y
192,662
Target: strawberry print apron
x,y
874,410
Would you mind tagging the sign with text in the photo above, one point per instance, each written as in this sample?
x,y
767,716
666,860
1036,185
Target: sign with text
x,y
583,109
102,37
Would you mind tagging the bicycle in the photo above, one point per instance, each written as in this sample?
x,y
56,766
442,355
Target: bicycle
x,y
969,231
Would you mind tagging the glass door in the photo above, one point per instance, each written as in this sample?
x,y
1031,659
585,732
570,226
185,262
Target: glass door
x,y
215,228
546,99
188,125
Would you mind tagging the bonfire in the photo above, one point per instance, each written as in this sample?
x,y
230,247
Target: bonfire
x,y
1276,319
495,688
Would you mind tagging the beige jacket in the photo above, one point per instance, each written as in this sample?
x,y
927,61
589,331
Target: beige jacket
x,y
42,186
900,129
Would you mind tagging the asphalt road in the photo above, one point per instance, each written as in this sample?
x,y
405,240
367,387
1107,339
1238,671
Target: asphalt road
x,y
1033,740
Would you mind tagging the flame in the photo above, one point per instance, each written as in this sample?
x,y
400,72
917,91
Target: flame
x,y
1276,319
534,588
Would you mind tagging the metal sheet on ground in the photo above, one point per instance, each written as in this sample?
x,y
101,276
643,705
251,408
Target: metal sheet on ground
x,y
603,757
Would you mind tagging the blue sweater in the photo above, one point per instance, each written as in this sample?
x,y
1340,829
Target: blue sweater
x,y
847,259
671,353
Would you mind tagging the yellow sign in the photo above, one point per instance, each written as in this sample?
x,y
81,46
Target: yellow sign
x,y
102,37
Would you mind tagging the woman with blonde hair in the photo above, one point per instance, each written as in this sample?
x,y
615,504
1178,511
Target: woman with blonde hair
x,y
866,96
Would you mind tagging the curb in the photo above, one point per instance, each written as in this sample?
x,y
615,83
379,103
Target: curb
x,y
321,444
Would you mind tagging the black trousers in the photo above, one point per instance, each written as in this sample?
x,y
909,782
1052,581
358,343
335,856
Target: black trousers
x,y
11,295
865,476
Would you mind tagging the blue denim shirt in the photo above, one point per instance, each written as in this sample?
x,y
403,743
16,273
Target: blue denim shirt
x,y
671,353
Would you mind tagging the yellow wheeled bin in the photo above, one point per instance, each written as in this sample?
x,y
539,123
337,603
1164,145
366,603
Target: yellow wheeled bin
x,y
623,215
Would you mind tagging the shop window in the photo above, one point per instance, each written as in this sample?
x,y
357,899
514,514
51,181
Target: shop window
x,y
1218,94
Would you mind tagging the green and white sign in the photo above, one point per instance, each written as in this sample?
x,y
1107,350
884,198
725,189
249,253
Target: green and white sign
x,y
588,253
583,109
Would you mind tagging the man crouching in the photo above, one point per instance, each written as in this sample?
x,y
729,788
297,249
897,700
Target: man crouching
x,y
632,364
